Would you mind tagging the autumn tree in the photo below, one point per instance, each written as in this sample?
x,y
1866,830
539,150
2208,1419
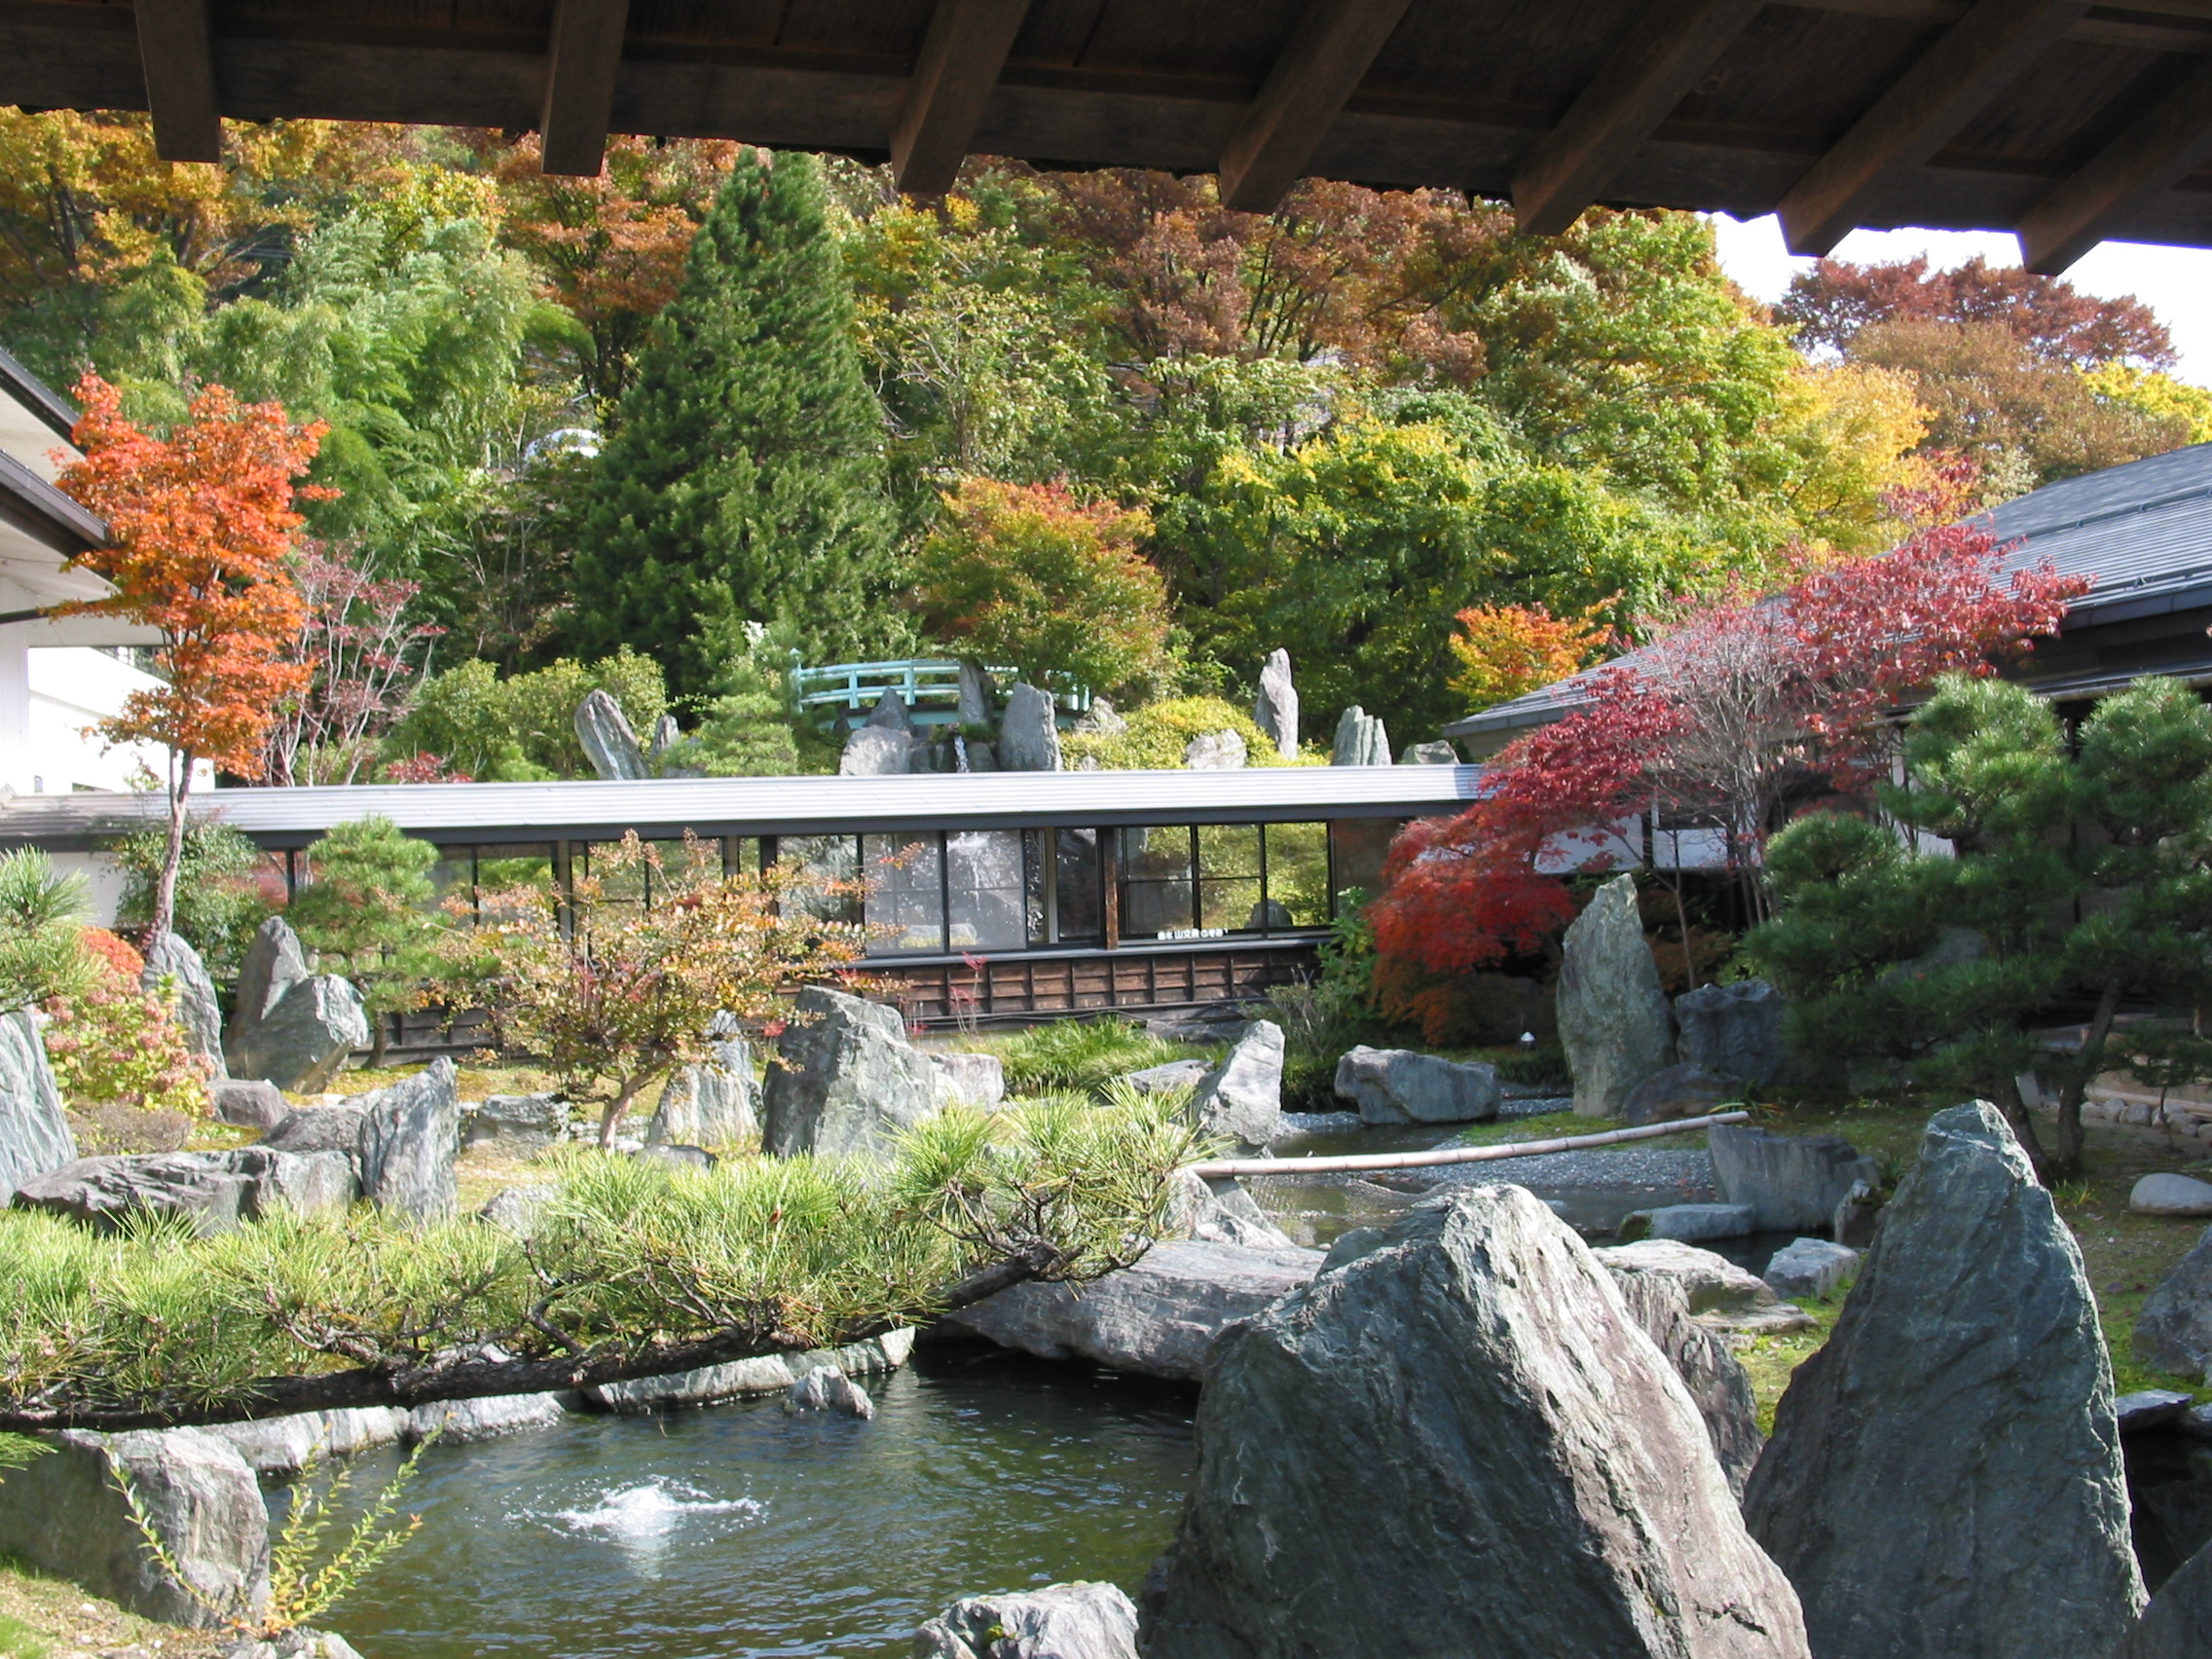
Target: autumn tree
x,y
1507,649
364,653
203,525
1831,304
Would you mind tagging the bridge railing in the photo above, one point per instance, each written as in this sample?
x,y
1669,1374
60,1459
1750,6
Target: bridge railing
x,y
928,686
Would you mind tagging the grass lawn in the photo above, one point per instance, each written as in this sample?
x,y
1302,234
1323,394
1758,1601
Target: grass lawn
x,y
47,1618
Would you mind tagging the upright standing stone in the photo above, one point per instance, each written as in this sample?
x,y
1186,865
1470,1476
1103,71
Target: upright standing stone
x,y
274,963
876,752
1613,1016
845,1079
1945,1475
1241,1098
1734,1030
199,1015
1215,752
890,714
710,1104
304,1040
1457,1440
409,1141
1361,740
1276,709
1029,732
609,745
1794,1182
666,734
978,694
34,1130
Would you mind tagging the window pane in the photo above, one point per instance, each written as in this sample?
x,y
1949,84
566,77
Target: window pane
x,y
675,871
905,901
983,870
1075,887
1156,882
1297,876
509,865
1231,906
1228,878
823,860
1360,844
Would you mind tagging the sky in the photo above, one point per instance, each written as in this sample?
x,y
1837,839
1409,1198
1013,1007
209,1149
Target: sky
x,y
2176,283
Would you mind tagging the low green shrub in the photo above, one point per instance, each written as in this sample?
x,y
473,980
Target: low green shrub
x,y
1082,1055
1543,1067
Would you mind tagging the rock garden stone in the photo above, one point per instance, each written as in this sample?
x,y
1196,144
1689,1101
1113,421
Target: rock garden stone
x,y
608,742
1734,1031
1717,1383
2174,1330
1215,752
891,713
1156,1318
677,1157
1793,1181
251,1105
1710,1282
1220,1212
1677,1092
829,1390
409,1140
876,752
1029,732
283,1446
2178,1622
454,1421
199,1015
1945,1475
1100,721
216,1190
2165,1193
969,1080
65,1513
274,962
2150,1408
1175,1074
750,1378
34,1130
1428,755
1361,740
301,1044
978,695
1276,709
1061,1621
1613,1016
710,1104
1858,1215
1397,1086
320,1128
1811,1266
517,1208
1240,1100
515,1126
298,1643
1691,1224
845,1079
1487,1444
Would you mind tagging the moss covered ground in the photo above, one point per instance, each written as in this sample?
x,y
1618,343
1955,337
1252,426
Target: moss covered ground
x,y
47,1618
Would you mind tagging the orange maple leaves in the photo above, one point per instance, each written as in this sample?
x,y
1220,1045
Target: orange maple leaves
x,y
201,524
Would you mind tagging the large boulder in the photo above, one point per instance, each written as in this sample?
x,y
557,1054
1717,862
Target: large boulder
x,y
1276,709
845,1079
1794,1182
1945,1475
1811,1266
1397,1086
1061,1621
2174,1330
2178,1622
1029,732
274,962
609,743
283,1446
1710,1282
1491,1457
409,1141
321,1128
487,1418
1215,752
1361,740
1677,1092
515,1126
302,1042
1733,1030
1436,753
2168,1193
876,752
216,1190
65,1513
1717,1383
1157,1317
1165,1079
1613,1016
710,1104
199,1015
34,1130
1220,1212
253,1103
969,1080
1691,1224
978,695
1241,1099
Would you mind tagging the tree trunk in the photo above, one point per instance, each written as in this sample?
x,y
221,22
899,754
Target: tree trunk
x,y
2024,1128
172,854
2086,1064
631,1087
378,1037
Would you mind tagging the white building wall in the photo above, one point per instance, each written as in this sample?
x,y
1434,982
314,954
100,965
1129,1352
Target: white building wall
x,y
102,879
44,748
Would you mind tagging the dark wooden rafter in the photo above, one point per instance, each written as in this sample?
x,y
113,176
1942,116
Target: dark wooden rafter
x,y
1327,55
1973,61
1669,50
580,65
958,65
178,52
2163,146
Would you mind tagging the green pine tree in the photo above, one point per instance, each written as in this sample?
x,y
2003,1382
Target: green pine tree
x,y
744,479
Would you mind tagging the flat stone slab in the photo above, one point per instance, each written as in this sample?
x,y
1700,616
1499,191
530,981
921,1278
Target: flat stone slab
x,y
2149,1408
1175,1074
2166,1194
461,1421
1811,1266
282,1446
1709,1283
1694,1223
748,1378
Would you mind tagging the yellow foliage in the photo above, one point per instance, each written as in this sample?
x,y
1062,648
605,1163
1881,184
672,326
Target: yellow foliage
x,y
1855,430
2159,395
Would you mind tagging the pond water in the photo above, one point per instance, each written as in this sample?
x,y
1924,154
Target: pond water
x,y
744,1532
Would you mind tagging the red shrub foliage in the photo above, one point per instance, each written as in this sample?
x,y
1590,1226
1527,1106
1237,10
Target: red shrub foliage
x,y
121,957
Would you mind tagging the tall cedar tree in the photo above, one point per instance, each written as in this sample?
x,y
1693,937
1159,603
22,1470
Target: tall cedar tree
x,y
745,477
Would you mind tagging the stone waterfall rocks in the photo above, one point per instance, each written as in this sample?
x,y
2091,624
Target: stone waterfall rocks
x,y
302,1042
1613,1016
34,1132
1276,709
1215,752
409,1140
845,1079
1361,740
610,744
1029,732
274,962
65,1514
199,1015
1945,1475
2174,1330
709,1105
1061,1621
1397,1086
1241,1098
1488,1445
1734,1030
1794,1182
978,696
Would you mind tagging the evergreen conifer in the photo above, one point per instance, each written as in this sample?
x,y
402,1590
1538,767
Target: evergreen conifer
x,y
744,478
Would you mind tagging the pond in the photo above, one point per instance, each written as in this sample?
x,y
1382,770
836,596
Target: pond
x,y
741,1531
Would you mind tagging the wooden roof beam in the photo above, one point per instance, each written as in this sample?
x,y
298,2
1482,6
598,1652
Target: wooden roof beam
x,y
1327,55
959,64
178,51
2167,143
580,65
1670,47
1976,58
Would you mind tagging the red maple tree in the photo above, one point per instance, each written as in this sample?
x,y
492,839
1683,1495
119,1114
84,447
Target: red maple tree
x,y
1719,722
201,526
